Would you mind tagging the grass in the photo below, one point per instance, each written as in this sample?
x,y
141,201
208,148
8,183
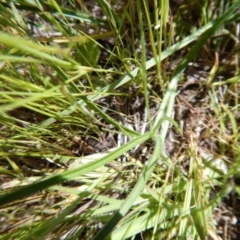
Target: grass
x,y
106,133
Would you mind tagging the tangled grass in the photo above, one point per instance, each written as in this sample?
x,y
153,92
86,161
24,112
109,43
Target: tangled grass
x,y
119,120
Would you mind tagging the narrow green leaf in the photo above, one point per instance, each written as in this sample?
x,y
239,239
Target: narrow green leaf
x,y
71,174
127,204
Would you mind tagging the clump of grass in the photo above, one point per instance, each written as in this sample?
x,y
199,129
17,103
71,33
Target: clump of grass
x,y
100,123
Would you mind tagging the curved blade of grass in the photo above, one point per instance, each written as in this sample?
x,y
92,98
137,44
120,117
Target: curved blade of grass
x,y
71,174
127,204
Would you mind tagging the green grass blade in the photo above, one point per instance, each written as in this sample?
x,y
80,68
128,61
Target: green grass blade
x,y
126,205
71,174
